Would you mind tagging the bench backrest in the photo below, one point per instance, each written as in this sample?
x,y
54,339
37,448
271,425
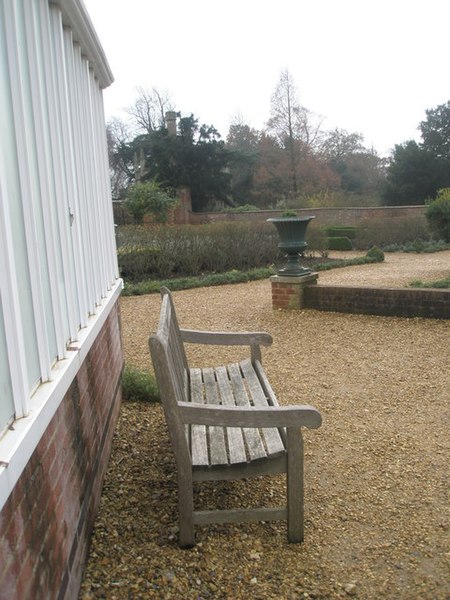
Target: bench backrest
x,y
172,373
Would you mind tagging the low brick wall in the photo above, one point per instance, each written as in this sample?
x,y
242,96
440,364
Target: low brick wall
x,y
399,302
46,523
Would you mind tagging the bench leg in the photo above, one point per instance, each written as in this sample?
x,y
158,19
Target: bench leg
x,y
295,484
186,510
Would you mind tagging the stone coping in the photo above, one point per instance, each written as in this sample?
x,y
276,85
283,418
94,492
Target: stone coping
x,y
298,279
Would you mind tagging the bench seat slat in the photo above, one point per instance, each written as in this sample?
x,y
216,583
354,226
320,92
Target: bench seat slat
x,y
272,438
236,446
252,436
198,440
234,385
216,435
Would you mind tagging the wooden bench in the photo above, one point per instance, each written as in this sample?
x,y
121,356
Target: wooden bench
x,y
225,423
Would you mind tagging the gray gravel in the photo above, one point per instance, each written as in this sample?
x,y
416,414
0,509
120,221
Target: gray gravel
x,y
377,472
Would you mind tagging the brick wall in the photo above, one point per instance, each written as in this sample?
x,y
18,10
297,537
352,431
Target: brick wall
x,y
46,523
401,302
323,216
289,292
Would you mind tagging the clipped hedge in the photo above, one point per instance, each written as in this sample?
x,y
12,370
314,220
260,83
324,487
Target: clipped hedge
x,y
339,243
341,231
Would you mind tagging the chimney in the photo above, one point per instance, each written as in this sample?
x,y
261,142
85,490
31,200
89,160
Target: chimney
x,y
171,122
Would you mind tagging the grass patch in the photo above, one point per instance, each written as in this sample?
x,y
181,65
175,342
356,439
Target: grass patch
x,y
442,284
139,386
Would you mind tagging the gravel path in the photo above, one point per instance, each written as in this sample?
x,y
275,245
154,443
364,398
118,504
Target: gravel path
x,y
377,471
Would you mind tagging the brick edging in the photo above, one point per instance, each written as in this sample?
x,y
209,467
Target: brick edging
x,y
296,293
395,302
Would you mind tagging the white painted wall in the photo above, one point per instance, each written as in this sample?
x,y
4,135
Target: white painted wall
x,y
58,268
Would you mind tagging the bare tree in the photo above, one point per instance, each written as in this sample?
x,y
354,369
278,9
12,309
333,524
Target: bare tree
x,y
293,125
149,109
118,136
339,143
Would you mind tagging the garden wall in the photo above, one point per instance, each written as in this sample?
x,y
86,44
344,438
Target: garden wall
x,y
183,214
323,216
298,293
398,302
47,520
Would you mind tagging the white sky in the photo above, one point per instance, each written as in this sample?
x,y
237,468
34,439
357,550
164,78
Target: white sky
x,y
367,66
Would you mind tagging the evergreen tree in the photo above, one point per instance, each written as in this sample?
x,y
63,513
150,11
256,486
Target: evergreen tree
x,y
417,171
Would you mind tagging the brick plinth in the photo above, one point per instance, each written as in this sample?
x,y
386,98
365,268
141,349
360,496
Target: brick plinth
x,y
46,523
289,292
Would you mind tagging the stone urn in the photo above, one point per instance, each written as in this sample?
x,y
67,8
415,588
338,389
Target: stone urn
x,y
291,231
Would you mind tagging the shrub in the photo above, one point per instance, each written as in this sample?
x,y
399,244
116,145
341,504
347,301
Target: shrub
x,y
148,198
376,254
317,240
186,250
341,231
438,214
139,386
136,262
339,243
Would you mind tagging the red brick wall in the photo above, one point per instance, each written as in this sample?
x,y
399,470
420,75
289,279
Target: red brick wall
x,y
46,523
323,216
400,302
289,292
284,296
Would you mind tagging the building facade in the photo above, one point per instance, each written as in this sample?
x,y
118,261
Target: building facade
x,y
60,345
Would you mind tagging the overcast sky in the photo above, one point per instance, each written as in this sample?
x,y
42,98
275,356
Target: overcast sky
x,y
367,66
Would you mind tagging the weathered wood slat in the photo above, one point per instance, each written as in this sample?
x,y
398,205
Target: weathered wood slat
x,y
295,485
226,338
236,446
252,436
272,438
273,400
177,366
250,416
216,435
276,464
198,441
247,515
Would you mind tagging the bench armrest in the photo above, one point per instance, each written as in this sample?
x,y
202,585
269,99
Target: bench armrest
x,y
250,416
224,338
